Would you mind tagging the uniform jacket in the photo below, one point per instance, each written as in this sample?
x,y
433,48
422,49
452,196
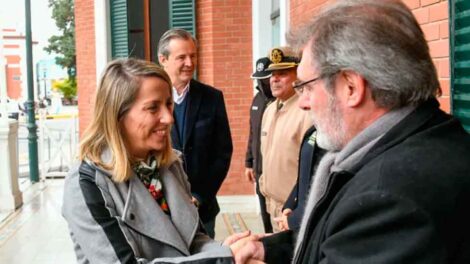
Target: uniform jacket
x,y
207,149
253,154
281,135
113,222
405,202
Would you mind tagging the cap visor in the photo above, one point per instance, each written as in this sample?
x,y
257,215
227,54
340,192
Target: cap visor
x,y
261,75
281,66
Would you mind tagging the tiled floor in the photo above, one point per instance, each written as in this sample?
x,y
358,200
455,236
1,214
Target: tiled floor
x,y
38,234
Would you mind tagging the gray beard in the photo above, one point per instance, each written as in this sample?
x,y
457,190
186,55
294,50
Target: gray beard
x,y
334,139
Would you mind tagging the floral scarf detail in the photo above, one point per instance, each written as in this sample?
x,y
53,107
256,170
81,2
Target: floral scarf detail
x,y
149,174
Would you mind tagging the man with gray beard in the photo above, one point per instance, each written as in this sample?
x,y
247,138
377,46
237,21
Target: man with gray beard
x,y
394,185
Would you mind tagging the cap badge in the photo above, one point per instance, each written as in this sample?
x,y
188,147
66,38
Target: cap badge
x,y
276,55
260,67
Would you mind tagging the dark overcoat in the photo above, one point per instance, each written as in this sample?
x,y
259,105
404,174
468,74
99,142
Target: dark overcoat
x,y
405,202
207,145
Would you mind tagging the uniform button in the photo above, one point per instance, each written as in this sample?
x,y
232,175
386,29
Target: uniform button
x,y
132,216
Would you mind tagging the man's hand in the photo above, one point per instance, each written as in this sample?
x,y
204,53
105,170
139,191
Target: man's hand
x,y
235,237
194,201
254,261
282,220
250,175
238,241
251,252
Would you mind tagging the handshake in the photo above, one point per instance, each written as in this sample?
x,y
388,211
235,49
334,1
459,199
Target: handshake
x,y
246,247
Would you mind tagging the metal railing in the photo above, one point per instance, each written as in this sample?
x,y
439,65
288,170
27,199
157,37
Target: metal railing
x,y
57,144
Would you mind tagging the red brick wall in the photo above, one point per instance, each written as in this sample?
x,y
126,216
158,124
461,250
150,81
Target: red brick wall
x,y
432,15
225,59
86,64
302,11
225,54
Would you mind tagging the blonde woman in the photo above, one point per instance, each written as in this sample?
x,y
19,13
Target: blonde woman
x,y
129,201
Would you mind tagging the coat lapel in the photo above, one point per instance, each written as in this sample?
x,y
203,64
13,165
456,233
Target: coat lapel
x,y
184,214
335,184
144,215
195,97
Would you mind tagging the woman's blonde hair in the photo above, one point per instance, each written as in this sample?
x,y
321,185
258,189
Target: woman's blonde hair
x,y
115,95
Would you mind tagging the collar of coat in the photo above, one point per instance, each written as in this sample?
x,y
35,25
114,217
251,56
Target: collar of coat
x,y
142,214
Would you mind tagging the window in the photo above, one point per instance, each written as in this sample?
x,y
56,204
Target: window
x,y
119,31
460,60
276,23
182,15
137,25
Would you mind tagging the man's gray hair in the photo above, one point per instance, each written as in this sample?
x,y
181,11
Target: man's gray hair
x,y
381,41
174,33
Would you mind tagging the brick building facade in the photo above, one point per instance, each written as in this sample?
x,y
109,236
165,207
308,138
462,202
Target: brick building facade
x,y
228,33
86,54
432,15
14,52
225,59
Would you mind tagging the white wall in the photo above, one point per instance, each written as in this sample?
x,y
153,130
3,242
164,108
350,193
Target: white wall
x,y
261,11
102,36
262,26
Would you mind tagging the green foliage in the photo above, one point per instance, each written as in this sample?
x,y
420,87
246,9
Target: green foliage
x,y
68,88
64,44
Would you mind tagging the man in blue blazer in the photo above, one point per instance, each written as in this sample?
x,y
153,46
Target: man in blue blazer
x,y
201,130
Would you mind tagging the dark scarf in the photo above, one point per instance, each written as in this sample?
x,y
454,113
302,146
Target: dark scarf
x,y
148,172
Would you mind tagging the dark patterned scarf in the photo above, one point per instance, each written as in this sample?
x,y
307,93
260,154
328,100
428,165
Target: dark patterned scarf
x,y
148,172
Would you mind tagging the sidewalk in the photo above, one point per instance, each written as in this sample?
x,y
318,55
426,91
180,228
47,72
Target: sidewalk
x,y
38,234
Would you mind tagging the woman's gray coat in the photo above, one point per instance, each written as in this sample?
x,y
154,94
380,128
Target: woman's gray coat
x,y
113,222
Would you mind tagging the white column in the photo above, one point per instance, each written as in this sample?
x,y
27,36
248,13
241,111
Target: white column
x,y
284,19
10,195
102,36
262,28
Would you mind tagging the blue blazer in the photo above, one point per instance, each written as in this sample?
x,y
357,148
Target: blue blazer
x,y
206,145
309,155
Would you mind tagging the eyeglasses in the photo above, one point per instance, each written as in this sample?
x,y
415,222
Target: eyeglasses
x,y
299,86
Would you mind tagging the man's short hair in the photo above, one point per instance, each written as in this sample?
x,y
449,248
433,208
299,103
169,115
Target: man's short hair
x,y
381,41
174,33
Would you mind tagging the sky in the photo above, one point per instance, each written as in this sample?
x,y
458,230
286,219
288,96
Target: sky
x,y
12,15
